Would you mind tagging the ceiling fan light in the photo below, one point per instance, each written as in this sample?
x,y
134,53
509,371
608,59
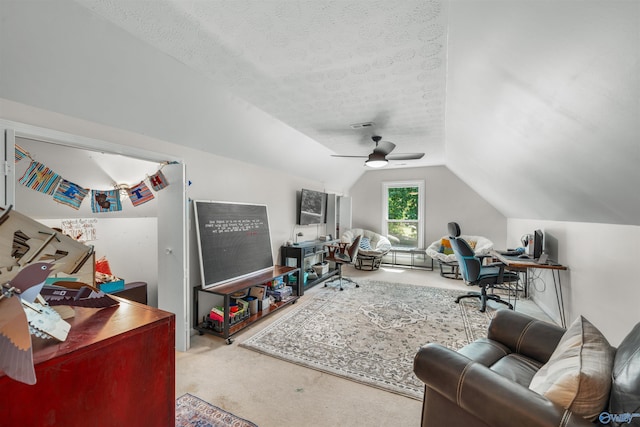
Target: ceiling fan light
x,y
376,160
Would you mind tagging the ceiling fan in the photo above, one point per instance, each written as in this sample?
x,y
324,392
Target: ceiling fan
x,y
381,154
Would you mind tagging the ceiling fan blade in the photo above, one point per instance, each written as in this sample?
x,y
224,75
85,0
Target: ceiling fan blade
x,y
405,156
384,147
342,155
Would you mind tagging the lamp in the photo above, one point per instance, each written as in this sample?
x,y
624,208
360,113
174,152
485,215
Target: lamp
x,y
376,160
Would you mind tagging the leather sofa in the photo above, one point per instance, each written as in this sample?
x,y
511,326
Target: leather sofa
x,y
486,383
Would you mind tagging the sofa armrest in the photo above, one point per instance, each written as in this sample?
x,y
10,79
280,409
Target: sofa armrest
x,y
485,394
524,334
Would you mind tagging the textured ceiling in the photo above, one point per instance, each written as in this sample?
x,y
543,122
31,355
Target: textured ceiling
x,y
318,66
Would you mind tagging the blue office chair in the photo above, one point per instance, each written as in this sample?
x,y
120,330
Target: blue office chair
x,y
476,274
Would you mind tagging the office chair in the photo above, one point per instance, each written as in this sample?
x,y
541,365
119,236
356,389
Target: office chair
x,y
476,274
343,255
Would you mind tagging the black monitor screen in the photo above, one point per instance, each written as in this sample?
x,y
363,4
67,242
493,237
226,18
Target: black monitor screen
x,y
538,243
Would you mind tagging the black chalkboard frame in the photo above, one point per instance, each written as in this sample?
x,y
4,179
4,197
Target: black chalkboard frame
x,y
234,240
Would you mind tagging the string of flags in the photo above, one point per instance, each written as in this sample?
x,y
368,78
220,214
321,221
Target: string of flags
x,y
40,178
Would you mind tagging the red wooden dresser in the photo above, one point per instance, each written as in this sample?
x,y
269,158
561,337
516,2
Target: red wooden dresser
x,y
116,368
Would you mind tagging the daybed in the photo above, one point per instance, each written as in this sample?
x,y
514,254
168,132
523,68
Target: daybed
x,y
530,373
373,247
441,251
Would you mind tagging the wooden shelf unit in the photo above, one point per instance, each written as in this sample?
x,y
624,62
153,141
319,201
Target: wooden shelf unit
x,y
225,290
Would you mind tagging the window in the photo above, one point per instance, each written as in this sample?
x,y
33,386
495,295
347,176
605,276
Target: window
x,y
402,216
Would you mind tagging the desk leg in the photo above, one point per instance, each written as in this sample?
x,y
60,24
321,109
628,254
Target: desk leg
x,y
558,285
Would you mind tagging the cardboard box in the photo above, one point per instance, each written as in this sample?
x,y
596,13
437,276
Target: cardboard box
x,y
260,292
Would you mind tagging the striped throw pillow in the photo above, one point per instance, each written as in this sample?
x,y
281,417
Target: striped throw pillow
x,y
578,373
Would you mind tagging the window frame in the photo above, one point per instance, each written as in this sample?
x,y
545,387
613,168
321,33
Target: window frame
x,y
385,206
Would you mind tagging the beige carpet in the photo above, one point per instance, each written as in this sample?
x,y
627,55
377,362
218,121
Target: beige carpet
x,y
372,333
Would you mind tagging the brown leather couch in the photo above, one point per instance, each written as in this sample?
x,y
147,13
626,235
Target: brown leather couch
x,y
486,382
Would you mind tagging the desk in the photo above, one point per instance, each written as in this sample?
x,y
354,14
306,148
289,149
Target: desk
x,y
526,264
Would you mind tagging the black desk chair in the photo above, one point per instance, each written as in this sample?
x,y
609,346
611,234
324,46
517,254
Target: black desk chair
x,y
343,255
476,274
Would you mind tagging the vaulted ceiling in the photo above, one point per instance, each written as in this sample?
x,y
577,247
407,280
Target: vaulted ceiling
x,y
318,66
534,104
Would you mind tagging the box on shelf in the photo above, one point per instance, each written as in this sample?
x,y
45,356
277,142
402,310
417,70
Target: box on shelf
x,y
116,285
215,319
321,268
264,304
260,292
277,283
281,294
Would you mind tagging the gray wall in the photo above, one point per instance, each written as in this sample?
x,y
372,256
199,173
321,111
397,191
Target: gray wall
x,y
447,199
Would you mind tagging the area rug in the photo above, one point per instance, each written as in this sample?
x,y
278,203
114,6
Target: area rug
x,y
371,334
192,411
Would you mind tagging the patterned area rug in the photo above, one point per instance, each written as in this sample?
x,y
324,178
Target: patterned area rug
x,y
372,333
192,411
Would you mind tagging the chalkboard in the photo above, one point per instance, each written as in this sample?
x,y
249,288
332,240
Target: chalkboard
x,y
233,240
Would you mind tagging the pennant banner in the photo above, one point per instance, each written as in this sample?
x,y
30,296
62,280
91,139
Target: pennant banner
x,y
20,153
140,194
158,181
105,201
40,178
70,194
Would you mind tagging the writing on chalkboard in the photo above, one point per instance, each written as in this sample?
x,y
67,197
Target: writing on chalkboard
x,y
234,225
233,240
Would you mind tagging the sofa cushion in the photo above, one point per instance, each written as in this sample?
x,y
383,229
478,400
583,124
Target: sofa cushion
x,y
518,368
445,247
578,373
625,390
365,244
472,243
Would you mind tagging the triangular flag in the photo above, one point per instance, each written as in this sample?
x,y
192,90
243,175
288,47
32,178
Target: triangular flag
x,y
158,181
105,201
40,178
70,194
20,153
140,194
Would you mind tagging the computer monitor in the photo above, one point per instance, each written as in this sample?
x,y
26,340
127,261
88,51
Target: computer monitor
x,y
538,243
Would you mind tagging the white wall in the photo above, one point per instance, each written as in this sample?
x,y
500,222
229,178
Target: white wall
x,y
211,177
447,199
130,245
61,57
601,283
